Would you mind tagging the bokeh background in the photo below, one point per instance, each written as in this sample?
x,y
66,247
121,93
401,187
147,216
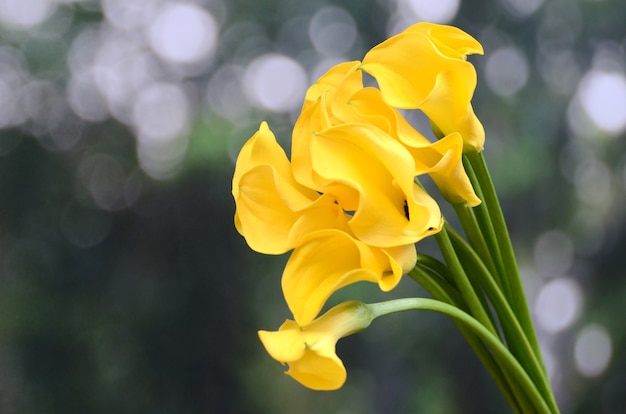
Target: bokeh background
x,y
124,286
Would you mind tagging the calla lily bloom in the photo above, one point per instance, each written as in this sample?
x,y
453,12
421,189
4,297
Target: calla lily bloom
x,y
425,68
373,175
345,77
310,349
369,172
339,97
328,260
276,214
441,159
274,211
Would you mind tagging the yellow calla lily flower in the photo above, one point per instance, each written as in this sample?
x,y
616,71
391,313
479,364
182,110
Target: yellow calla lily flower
x,y
373,175
276,214
345,75
425,68
328,260
273,211
339,97
450,40
309,349
337,150
441,159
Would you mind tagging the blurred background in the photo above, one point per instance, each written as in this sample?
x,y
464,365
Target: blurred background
x,y
124,286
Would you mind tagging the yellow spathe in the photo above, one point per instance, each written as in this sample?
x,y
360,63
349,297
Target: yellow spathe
x,y
273,211
328,260
309,349
425,68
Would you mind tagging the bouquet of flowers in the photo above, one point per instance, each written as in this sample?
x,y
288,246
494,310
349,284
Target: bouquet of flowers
x,y
350,207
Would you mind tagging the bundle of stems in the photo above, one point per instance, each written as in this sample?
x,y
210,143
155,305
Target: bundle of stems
x,y
478,285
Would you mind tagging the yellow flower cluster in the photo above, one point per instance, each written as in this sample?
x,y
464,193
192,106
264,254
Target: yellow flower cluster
x,y
348,204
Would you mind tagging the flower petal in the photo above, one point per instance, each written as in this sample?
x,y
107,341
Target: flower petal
x,y
273,211
425,68
402,260
392,210
325,105
450,110
345,76
327,261
405,67
454,41
309,349
318,372
262,149
331,259
317,368
314,118
369,106
442,160
286,344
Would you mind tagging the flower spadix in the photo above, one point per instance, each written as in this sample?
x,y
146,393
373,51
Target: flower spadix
x,y
309,349
425,68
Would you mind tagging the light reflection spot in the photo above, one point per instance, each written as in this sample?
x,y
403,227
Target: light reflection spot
x,y
441,11
20,14
553,253
105,178
184,33
593,183
129,15
275,82
603,98
332,31
593,350
161,112
506,71
225,94
558,304
85,98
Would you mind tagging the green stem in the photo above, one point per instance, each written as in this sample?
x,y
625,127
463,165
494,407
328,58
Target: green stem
x,y
476,307
475,236
437,286
486,229
511,276
440,268
514,333
442,291
500,352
